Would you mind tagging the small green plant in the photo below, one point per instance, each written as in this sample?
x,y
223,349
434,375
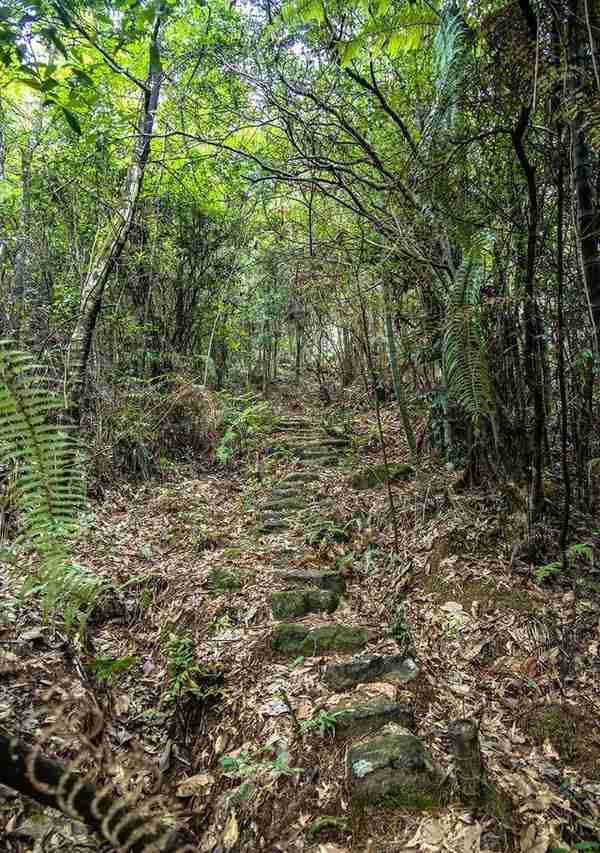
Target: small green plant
x,y
223,622
107,669
325,722
244,422
66,588
549,570
243,766
47,486
181,667
324,531
223,580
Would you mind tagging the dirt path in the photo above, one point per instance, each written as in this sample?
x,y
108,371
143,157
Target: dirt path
x,y
313,671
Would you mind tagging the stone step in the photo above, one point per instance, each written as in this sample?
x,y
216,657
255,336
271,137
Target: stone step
x,y
272,523
396,765
300,477
286,438
293,422
310,640
284,504
294,427
296,603
287,493
316,452
317,463
372,476
319,443
364,669
353,719
334,581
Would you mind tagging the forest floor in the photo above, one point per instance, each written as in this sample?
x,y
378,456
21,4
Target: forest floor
x,y
189,576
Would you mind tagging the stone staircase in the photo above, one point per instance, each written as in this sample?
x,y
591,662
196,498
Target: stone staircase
x,y
382,760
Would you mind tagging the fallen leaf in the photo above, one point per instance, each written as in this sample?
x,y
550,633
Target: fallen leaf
x,y
549,750
470,839
193,785
275,708
122,703
220,744
32,634
232,832
9,663
534,839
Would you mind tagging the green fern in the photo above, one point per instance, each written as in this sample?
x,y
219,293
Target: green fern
x,y
464,352
49,486
46,466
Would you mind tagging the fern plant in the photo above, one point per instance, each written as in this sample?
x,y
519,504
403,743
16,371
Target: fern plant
x,y
464,351
48,484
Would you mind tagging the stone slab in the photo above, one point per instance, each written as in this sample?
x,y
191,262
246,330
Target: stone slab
x,y
363,669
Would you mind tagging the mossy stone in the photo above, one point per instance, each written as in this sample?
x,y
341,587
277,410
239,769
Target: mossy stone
x,y
284,504
396,768
292,492
271,523
300,477
224,580
303,640
352,719
326,824
376,475
344,675
298,602
330,580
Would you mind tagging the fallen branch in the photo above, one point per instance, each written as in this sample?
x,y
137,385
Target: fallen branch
x,y
115,819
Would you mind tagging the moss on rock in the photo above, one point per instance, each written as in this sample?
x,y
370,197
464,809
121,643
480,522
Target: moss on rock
x,y
396,769
224,580
305,640
299,602
376,475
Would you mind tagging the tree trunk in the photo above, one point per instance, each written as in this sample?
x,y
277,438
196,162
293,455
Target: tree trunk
x,y
396,378
23,256
104,259
470,769
533,325
581,157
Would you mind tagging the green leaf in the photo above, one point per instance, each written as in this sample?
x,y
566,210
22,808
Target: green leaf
x,y
350,50
312,11
52,36
72,121
381,7
62,14
33,84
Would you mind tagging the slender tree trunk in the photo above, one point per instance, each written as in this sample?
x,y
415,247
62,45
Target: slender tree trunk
x,y
564,415
583,173
23,256
111,247
532,319
396,378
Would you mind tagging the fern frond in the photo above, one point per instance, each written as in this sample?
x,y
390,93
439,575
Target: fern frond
x,y
464,351
49,484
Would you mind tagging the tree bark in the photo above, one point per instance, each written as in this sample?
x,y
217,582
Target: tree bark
x,y
581,158
532,319
111,247
470,769
396,378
